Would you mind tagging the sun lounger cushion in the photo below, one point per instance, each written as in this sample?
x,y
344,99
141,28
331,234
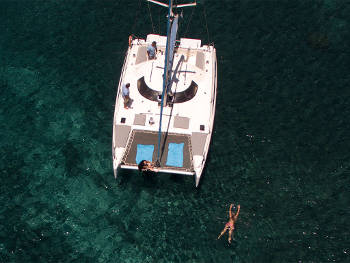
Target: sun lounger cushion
x,y
175,154
144,152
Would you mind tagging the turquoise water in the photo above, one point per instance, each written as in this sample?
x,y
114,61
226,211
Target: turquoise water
x,y
280,147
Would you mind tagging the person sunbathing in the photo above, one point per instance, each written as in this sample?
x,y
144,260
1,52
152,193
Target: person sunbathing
x,y
230,225
147,166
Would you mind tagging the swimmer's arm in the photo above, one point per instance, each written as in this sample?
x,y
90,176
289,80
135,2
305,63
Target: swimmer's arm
x,y
230,212
153,167
239,208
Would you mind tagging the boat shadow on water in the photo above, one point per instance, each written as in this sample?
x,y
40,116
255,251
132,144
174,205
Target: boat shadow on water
x,y
124,176
150,179
157,179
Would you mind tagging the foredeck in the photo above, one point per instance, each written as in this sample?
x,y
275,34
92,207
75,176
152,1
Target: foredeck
x,y
192,66
142,137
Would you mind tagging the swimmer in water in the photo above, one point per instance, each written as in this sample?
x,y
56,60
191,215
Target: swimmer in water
x,y
147,166
230,225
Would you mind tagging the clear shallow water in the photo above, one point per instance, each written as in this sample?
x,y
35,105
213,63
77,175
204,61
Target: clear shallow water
x,y
280,147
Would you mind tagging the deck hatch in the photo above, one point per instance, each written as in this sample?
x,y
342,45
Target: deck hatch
x,y
181,122
140,119
200,60
141,55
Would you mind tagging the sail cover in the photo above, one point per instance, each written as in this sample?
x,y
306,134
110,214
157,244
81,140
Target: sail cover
x,y
172,41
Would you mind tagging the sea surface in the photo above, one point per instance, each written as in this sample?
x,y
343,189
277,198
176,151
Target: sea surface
x,y
280,146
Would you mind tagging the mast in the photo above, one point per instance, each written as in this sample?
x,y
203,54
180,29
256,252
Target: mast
x,y
172,25
169,54
165,78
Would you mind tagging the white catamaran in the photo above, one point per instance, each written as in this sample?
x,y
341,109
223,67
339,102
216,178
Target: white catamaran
x,y
169,117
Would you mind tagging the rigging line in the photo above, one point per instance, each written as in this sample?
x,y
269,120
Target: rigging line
x,y
159,22
136,17
150,15
206,23
189,22
175,2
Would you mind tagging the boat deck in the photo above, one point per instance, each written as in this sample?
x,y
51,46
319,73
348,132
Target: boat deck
x,y
187,121
190,66
142,137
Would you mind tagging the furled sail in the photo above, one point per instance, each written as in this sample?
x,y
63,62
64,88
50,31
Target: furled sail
x,y
172,41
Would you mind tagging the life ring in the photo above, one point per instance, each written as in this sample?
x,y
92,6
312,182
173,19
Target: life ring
x,y
130,40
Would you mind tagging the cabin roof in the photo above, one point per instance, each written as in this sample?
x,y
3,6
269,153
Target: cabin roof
x,y
192,66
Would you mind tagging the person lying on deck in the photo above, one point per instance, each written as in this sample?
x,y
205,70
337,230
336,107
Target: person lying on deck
x,y
230,225
147,166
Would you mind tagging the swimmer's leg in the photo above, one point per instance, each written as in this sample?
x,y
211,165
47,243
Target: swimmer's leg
x,y
230,235
223,231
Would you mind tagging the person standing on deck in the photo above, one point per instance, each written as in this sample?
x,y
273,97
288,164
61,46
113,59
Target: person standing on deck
x,y
152,50
126,94
230,225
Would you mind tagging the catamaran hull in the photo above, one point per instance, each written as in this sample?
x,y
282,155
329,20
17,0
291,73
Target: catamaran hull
x,y
200,169
189,122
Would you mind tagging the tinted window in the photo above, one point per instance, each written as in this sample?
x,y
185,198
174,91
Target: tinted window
x,y
187,94
147,92
179,97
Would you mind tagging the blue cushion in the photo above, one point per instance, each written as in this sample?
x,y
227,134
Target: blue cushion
x,y
144,152
175,154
